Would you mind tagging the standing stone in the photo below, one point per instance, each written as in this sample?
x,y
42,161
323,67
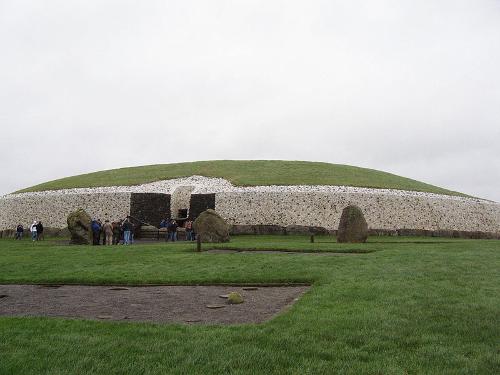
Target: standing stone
x,y
211,227
79,225
352,226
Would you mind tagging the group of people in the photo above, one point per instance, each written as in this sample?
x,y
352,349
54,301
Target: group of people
x,y
112,233
36,230
171,225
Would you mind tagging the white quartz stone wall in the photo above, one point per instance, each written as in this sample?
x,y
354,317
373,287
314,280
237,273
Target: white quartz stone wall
x,y
53,209
382,210
265,205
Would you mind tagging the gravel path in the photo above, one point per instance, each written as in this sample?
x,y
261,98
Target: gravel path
x,y
161,304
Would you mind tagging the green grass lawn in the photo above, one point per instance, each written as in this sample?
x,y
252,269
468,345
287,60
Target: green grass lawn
x,y
248,173
412,306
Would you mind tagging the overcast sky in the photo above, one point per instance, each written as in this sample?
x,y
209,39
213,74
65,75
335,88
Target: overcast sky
x,y
408,87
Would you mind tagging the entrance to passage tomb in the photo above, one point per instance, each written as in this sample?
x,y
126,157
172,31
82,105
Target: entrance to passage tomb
x,y
180,202
200,203
149,207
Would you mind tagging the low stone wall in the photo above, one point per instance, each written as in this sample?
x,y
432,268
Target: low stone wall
x,y
53,209
307,231
382,211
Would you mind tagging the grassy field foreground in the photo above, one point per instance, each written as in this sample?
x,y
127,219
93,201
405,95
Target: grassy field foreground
x,y
413,306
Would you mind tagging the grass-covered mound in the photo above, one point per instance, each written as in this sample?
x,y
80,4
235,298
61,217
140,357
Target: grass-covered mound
x,y
247,173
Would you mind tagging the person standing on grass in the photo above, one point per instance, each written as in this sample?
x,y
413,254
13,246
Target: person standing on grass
x,y
33,231
132,232
103,232
39,231
173,230
189,230
95,232
100,232
108,232
116,233
127,229
19,232
193,233
169,229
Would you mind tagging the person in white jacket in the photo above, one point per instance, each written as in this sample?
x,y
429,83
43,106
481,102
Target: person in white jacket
x,y
33,231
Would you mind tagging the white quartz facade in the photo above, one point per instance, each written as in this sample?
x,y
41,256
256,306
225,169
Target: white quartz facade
x,y
265,205
382,210
53,209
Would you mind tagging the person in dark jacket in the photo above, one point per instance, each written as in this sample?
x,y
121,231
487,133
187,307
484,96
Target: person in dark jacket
x,y
127,230
39,231
116,233
96,230
101,232
132,232
172,230
19,232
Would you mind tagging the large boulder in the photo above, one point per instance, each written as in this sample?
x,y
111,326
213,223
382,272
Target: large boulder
x,y
352,226
211,227
79,225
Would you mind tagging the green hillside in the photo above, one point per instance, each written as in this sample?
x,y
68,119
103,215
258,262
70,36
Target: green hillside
x,y
247,173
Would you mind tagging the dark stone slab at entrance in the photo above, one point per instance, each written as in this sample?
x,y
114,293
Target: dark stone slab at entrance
x,y
200,203
150,207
